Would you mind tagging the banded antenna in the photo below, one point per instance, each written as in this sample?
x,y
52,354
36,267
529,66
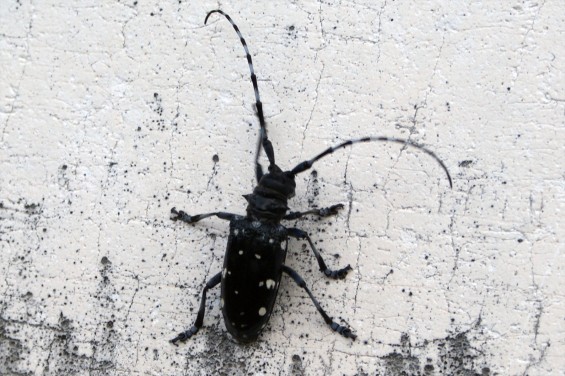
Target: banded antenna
x,y
263,139
305,165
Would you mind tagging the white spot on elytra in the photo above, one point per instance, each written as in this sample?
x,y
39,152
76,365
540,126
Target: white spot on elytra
x,y
241,313
256,224
241,252
258,257
270,283
262,311
224,273
222,303
261,283
271,241
229,273
236,292
236,231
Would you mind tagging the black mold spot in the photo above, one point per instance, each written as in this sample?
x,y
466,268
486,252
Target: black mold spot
x,y
221,354
457,356
215,158
157,105
296,368
12,350
292,32
465,163
453,355
105,334
62,177
398,364
402,362
428,369
32,208
59,340
313,189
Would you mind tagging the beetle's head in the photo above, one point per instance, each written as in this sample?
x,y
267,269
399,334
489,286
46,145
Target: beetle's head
x,y
269,198
277,183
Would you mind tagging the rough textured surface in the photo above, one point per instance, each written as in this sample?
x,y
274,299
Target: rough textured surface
x,y
113,112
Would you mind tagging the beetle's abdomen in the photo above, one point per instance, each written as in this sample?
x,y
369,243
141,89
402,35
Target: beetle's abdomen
x,y
251,275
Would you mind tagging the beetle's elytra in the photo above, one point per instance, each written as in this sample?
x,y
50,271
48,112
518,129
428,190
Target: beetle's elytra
x,y
257,244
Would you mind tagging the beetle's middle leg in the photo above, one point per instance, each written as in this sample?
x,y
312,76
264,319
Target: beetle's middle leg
x,y
335,274
179,215
213,282
343,330
324,212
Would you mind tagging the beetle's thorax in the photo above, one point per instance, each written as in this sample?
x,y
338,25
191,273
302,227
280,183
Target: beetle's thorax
x,y
269,199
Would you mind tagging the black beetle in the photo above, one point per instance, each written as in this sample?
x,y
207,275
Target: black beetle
x,y
257,243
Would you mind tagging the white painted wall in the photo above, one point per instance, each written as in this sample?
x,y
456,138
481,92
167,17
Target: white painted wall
x,y
110,113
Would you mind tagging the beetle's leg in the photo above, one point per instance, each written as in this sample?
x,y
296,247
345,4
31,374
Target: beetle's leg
x,y
182,216
258,171
324,212
213,282
343,330
335,274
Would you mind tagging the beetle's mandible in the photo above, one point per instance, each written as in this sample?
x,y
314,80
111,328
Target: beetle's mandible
x,y
257,244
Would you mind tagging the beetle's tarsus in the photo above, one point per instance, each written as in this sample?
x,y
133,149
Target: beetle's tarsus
x,y
337,274
343,330
184,336
182,216
332,210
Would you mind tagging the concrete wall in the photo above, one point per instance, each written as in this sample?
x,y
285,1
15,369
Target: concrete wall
x,y
111,113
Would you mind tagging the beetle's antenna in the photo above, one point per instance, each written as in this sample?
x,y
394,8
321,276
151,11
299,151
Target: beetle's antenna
x,y
303,166
263,139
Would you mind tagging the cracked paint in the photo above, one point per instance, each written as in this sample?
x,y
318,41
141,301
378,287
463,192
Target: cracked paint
x,y
112,113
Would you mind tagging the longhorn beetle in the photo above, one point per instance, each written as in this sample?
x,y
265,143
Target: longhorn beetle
x,y
257,242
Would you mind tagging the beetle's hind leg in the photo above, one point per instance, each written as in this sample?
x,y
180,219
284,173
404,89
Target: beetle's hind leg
x,y
179,215
335,274
324,212
343,330
213,282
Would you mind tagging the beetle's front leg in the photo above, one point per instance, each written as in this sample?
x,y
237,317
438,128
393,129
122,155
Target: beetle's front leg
x,y
343,330
335,274
213,282
179,215
324,212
